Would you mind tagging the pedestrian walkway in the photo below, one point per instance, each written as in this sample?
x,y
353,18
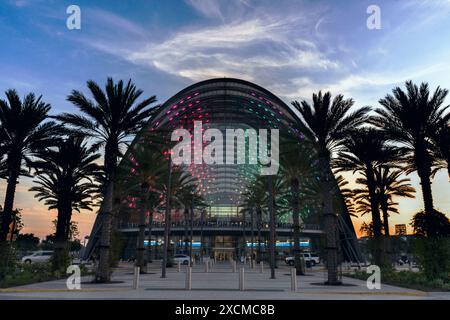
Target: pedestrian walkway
x,y
220,283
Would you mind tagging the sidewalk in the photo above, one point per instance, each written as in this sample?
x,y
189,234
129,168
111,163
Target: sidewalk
x,y
220,283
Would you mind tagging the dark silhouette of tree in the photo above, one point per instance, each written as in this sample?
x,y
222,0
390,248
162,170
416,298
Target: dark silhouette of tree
x,y
23,132
327,122
66,178
411,118
111,118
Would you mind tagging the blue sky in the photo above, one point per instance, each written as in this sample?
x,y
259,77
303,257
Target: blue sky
x,y
292,48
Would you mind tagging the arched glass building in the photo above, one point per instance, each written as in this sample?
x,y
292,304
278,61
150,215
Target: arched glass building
x,y
219,219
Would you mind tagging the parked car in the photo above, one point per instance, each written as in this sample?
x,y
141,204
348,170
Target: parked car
x,y
310,258
38,256
182,258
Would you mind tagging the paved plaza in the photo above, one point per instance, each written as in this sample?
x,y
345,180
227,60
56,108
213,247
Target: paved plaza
x,y
220,283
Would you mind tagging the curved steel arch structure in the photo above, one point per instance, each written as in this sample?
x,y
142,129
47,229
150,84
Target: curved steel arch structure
x,y
222,103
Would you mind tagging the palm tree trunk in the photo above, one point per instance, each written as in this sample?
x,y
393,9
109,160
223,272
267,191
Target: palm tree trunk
x,y
62,235
425,182
191,232
296,221
379,254
272,227
9,202
140,247
330,221
258,226
384,208
149,246
244,236
252,238
386,238
103,273
202,219
186,230
167,219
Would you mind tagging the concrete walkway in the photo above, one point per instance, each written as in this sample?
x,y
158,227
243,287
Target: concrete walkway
x,y
220,283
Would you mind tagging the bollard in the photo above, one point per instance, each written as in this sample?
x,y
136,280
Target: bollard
x,y
179,266
261,264
136,278
188,278
410,266
233,265
207,266
241,279
252,264
293,279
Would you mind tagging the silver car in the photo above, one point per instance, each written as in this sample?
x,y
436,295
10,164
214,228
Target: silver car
x,y
38,256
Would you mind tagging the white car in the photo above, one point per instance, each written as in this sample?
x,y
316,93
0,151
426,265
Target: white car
x,y
312,258
38,256
182,258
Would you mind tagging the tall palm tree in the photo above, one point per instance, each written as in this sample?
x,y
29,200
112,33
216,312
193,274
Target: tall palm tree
x,y
411,117
175,181
23,132
111,118
140,177
326,123
254,200
66,178
296,167
364,150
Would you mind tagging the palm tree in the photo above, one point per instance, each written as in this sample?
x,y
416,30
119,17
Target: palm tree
x,y
411,118
364,150
110,119
296,167
66,182
173,188
23,132
326,123
389,185
254,199
141,176
441,144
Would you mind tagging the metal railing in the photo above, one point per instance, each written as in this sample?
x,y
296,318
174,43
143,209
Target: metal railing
x,y
218,224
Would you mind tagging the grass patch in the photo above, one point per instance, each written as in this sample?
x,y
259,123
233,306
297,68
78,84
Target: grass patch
x,y
407,279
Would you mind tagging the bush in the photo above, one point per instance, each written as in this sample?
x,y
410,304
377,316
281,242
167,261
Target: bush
x,y
433,256
407,279
29,273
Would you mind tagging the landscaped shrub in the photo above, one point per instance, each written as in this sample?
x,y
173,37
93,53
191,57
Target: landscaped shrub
x,y
433,256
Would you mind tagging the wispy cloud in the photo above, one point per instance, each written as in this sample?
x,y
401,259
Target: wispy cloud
x,y
209,8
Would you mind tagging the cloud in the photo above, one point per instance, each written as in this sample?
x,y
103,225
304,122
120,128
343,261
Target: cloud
x,y
208,8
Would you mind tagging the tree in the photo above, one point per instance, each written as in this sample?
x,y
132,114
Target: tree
x,y
110,119
23,132
326,123
389,185
296,168
441,144
427,225
410,118
27,242
364,150
65,180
